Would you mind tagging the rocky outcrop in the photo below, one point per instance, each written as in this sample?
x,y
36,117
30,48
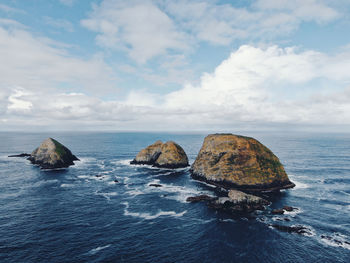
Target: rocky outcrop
x,y
238,162
166,155
20,155
199,198
238,201
51,154
299,229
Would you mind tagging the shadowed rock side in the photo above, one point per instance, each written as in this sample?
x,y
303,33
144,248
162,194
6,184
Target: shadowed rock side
x,y
233,161
51,154
166,155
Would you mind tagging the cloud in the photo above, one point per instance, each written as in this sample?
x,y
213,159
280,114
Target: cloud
x,y
139,27
269,85
17,103
255,87
37,63
147,29
59,23
9,9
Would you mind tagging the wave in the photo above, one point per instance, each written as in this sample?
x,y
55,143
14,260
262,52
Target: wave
x,y
336,240
46,182
298,184
107,195
67,185
148,216
95,250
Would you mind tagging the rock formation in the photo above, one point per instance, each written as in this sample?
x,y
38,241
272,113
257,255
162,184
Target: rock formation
x,y
51,154
166,155
238,162
238,201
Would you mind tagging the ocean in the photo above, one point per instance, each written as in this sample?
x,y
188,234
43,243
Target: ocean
x,y
81,214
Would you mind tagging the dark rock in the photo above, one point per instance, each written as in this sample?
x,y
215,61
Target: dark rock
x,y
277,211
155,185
51,154
199,198
238,162
116,181
292,229
238,201
165,155
20,155
98,175
288,208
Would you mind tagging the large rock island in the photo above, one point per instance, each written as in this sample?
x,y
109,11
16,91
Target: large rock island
x,y
239,162
51,155
165,155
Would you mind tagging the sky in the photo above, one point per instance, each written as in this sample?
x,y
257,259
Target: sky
x,y
179,65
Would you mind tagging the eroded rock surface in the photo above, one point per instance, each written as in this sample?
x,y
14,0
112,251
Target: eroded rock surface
x,y
166,155
239,162
51,154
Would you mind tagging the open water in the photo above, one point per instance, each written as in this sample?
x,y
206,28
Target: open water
x,y
80,214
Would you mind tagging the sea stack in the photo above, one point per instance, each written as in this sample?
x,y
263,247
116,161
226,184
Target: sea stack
x,y
238,162
165,155
51,155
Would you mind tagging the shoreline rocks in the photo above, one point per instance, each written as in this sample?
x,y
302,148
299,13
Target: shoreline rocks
x,y
238,162
162,155
52,155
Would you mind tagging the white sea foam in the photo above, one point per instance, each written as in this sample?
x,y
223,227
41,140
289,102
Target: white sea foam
x,y
336,240
95,250
294,212
67,185
179,193
148,216
47,182
299,185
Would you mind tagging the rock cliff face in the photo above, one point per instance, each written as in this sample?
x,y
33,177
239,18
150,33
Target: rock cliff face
x,y
52,154
166,155
238,162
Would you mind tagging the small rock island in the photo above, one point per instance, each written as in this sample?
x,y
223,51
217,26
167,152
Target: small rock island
x,y
238,162
51,155
163,155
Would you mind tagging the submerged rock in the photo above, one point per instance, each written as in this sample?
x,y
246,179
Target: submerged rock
x,y
199,198
277,211
238,201
289,208
293,229
155,185
166,155
51,154
239,162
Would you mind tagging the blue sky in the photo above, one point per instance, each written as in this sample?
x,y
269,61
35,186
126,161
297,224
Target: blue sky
x,y
175,65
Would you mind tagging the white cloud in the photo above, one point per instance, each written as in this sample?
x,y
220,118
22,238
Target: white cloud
x,y
37,63
251,86
254,86
139,27
17,103
146,29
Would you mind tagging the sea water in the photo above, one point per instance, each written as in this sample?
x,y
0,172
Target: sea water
x,y
81,214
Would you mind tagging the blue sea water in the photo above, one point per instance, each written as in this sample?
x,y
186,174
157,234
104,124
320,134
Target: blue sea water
x,y
80,214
